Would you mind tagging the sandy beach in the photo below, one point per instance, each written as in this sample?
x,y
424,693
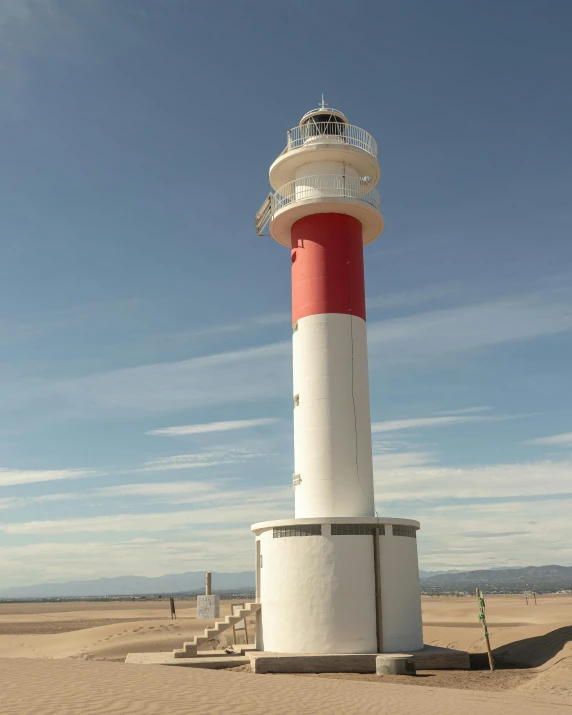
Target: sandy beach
x,y
68,658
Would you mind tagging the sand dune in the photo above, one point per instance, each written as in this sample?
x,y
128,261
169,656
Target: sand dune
x,y
532,643
106,642
79,688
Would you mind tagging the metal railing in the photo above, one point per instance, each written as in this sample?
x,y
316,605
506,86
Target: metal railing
x,y
321,186
330,133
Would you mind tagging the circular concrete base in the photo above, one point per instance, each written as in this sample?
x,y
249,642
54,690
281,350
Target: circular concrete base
x,y
394,665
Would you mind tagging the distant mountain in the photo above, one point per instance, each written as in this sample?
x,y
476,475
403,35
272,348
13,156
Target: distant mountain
x,y
531,578
428,574
496,580
134,585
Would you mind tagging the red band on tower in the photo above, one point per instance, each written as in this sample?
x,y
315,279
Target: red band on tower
x,y
327,266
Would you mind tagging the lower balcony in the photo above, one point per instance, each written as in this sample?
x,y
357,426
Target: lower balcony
x,y
323,193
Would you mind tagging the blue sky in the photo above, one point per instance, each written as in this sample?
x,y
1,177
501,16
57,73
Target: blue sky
x,y
135,297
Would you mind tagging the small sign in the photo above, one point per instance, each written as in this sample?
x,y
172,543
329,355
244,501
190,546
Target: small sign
x,y
208,607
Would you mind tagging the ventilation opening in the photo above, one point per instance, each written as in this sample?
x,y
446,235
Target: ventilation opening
x,y
281,532
296,400
399,530
357,529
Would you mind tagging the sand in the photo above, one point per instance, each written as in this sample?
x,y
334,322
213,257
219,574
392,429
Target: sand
x,y
68,658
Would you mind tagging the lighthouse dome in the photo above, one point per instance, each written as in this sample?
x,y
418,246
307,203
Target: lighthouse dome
x,y
323,114
323,120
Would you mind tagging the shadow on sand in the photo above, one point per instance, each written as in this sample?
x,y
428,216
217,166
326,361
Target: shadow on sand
x,y
526,653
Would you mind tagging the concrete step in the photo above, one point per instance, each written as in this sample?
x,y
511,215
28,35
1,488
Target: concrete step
x,y
190,649
185,653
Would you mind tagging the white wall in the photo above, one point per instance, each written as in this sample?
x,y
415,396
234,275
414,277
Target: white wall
x,y
400,595
318,594
334,404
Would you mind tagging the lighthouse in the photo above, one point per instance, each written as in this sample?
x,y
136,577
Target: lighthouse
x,y
337,577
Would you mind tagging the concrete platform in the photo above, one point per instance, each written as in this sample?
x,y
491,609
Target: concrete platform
x,y
205,658
429,658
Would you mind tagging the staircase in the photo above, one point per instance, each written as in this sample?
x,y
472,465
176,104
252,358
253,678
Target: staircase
x,y
189,650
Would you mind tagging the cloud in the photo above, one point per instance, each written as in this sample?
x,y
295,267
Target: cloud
x,y
264,372
251,322
405,299
465,411
558,440
10,477
399,460
248,509
212,427
191,550
535,533
401,478
445,421
172,489
199,460
11,503
494,534
432,334
247,375
179,492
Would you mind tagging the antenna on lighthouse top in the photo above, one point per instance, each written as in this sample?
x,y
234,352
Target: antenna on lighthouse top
x,y
323,105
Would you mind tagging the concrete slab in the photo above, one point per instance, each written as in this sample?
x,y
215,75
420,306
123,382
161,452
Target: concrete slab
x,y
429,658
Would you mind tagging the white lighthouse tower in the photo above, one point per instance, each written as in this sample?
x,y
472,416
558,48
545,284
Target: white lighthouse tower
x,y
336,578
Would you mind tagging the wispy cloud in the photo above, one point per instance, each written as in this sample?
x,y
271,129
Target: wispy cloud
x,y
11,503
464,411
248,509
237,376
181,492
557,440
202,549
199,460
249,323
513,533
212,427
402,477
10,477
264,372
443,421
194,490
428,294
432,334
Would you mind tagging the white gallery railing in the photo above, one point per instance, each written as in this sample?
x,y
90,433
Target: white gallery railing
x,y
323,186
330,133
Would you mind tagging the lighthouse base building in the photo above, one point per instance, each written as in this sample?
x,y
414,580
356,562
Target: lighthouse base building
x,y
336,578
338,585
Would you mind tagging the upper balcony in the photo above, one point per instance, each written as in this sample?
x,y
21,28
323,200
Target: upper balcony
x,y
330,133
326,141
